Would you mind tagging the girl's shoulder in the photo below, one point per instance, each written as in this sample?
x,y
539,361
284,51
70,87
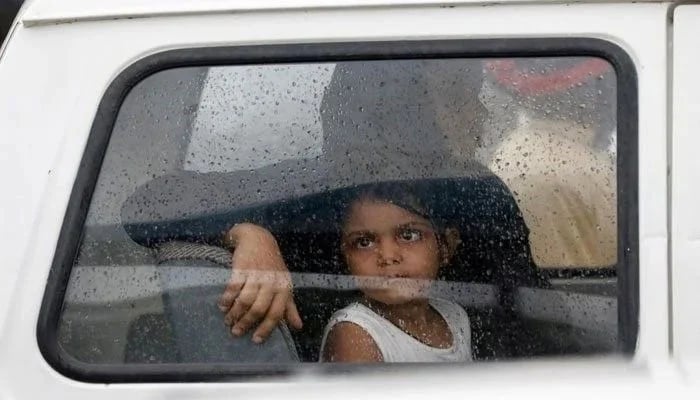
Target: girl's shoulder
x,y
349,342
378,327
353,333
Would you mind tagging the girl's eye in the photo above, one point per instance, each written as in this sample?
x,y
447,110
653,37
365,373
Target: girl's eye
x,y
363,242
410,235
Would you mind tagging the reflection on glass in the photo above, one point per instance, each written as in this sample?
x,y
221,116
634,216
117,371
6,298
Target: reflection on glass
x,y
417,210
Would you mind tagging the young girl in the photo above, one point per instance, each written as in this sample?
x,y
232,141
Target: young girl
x,y
394,250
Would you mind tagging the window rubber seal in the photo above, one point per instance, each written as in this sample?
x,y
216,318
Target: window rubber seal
x,y
71,231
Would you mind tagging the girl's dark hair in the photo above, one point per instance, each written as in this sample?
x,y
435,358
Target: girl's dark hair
x,y
400,194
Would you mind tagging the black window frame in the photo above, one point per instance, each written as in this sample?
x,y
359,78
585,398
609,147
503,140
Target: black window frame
x,y
73,223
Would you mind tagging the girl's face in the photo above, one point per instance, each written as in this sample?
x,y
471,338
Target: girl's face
x,y
395,250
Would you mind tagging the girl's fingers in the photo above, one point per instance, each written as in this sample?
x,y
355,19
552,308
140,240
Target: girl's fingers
x,y
272,319
258,310
241,305
292,314
232,290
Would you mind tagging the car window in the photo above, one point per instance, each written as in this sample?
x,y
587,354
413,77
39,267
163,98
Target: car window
x,y
501,172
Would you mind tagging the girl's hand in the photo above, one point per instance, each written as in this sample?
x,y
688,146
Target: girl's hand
x,y
260,289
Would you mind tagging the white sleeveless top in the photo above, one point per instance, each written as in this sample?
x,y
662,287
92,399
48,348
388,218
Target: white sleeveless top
x,y
398,346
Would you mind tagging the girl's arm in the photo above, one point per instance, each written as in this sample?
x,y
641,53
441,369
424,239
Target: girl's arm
x,y
347,342
259,293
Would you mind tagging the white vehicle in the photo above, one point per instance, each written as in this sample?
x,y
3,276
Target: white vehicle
x,y
555,138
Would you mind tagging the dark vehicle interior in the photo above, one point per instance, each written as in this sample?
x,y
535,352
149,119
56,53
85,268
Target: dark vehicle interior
x,y
495,253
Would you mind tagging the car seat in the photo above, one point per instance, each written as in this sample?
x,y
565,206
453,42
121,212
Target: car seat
x,y
191,329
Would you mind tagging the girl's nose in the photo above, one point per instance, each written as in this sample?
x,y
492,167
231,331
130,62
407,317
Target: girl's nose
x,y
389,253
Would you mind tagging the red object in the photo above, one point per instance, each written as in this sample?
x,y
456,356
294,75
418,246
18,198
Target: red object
x,y
506,73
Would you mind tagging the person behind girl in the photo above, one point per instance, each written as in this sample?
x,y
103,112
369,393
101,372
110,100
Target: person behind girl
x,y
394,250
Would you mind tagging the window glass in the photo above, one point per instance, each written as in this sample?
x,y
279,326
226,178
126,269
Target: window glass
x,y
446,209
